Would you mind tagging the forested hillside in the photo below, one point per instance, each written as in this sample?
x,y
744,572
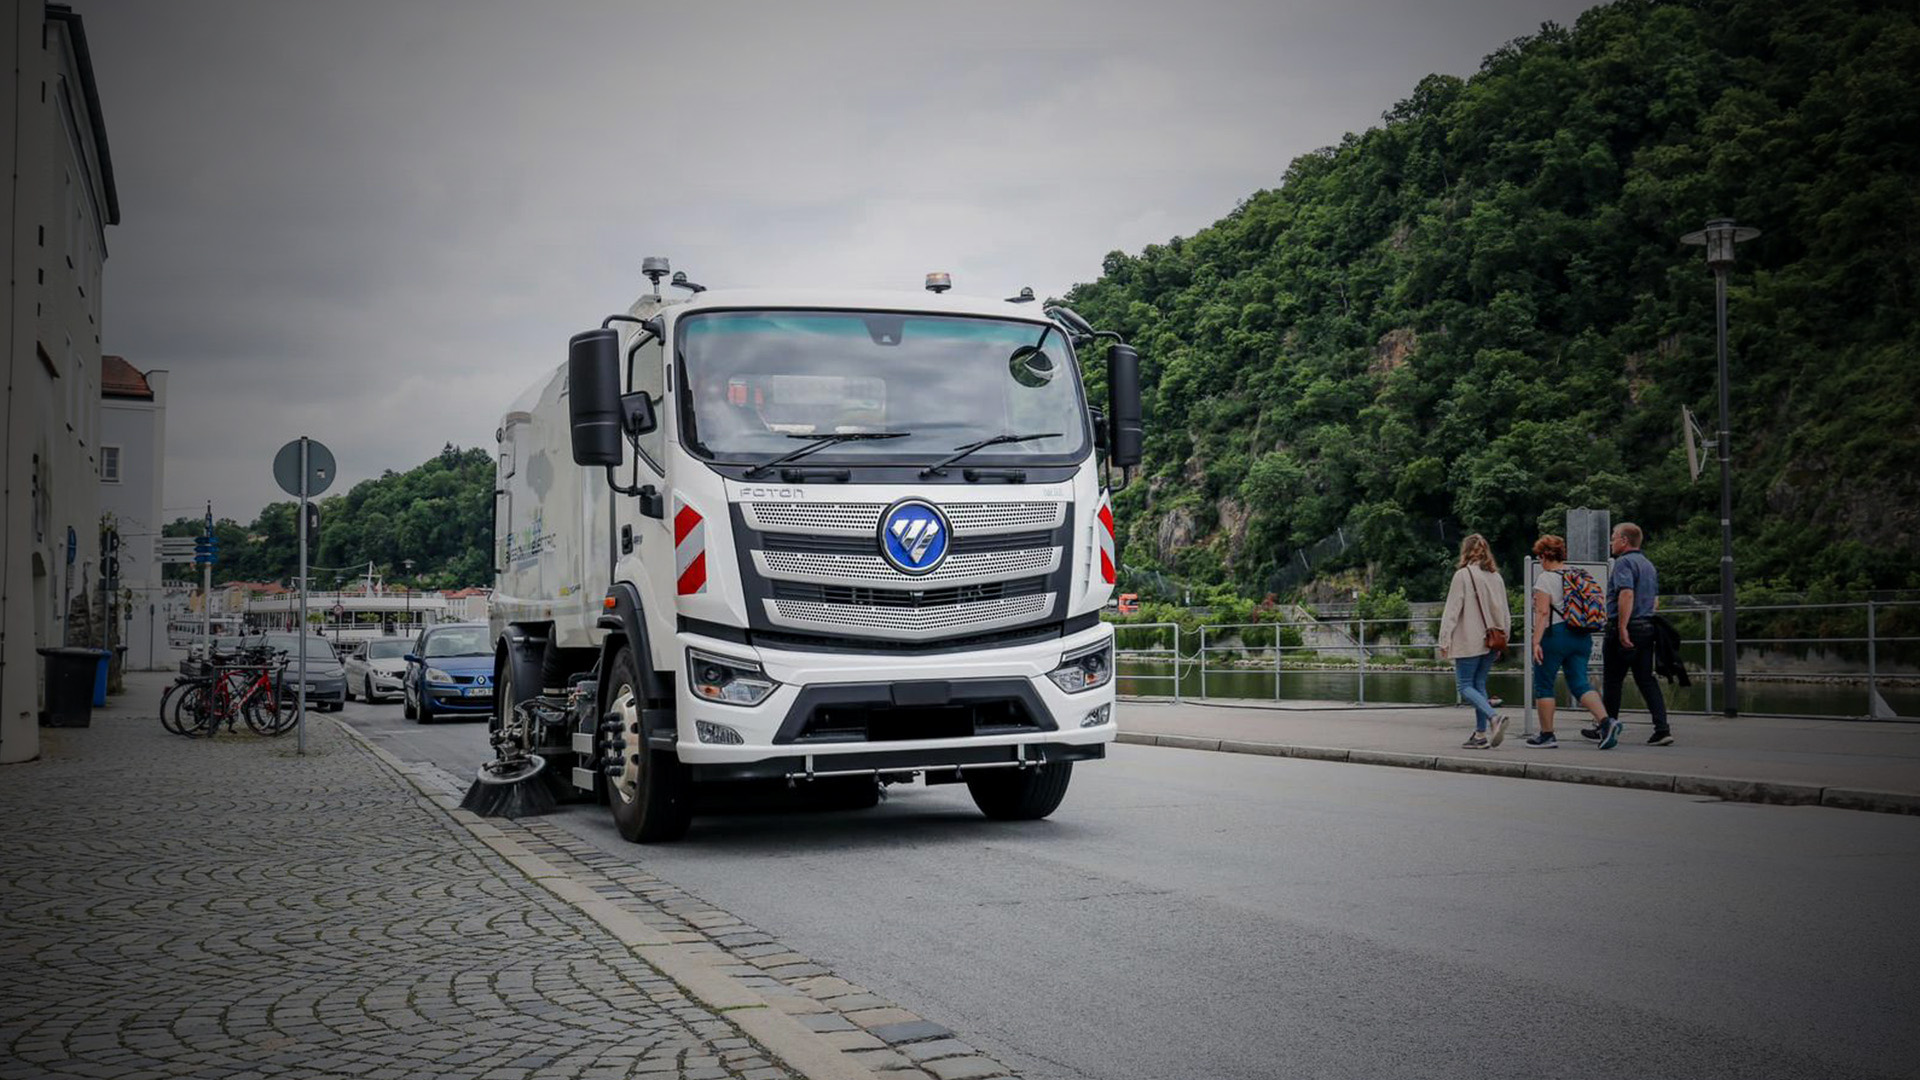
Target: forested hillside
x,y
439,514
1479,313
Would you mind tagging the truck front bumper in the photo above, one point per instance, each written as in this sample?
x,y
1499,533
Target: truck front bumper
x,y
877,712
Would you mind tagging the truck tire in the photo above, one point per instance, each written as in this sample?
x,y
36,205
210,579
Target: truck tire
x,y
651,796
1020,794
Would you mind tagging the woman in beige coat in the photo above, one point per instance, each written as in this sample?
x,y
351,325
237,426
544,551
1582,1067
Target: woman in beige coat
x,y
1476,603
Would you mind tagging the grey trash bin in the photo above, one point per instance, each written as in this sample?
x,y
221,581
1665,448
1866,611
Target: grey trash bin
x,y
70,676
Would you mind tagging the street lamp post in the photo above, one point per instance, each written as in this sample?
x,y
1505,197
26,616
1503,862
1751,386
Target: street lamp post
x,y
1719,238
408,563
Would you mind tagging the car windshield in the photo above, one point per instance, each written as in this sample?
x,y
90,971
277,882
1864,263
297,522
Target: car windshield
x,y
459,641
761,381
318,648
386,650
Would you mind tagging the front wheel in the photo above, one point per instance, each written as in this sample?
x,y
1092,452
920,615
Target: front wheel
x,y
1020,794
650,793
406,706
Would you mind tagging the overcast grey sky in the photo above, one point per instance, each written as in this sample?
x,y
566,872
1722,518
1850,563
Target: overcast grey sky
x,y
376,223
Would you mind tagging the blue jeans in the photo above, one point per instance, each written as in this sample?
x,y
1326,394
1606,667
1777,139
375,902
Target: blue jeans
x,y
1470,675
1561,648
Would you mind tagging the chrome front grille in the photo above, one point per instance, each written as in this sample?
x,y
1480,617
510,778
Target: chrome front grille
x,y
824,572
863,519
830,569
913,624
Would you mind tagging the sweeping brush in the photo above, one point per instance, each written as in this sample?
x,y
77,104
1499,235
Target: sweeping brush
x,y
510,788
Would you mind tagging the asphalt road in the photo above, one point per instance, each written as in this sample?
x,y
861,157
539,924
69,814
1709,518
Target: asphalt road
x,y
1213,917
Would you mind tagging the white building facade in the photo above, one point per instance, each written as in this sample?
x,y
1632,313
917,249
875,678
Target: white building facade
x,y
133,454
56,199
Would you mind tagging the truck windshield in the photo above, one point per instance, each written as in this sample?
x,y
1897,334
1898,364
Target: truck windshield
x,y
759,378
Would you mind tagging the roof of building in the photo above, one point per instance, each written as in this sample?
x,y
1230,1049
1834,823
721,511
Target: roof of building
x,y
119,379
90,91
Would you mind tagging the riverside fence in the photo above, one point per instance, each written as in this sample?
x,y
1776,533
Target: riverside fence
x,y
1843,660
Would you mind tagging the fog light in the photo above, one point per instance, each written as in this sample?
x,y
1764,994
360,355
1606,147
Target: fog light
x,y
1097,717
717,733
1084,669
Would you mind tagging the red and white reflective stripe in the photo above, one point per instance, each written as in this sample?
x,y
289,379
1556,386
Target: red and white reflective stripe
x,y
689,548
1105,535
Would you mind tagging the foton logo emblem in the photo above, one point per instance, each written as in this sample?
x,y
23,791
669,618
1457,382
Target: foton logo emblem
x,y
913,536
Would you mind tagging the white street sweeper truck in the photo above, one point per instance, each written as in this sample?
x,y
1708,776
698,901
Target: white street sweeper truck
x,y
831,540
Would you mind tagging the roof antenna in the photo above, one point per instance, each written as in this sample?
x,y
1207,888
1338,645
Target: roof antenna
x,y
653,268
679,281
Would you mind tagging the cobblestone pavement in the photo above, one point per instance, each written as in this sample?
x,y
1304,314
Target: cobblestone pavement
x,y
226,909
893,1042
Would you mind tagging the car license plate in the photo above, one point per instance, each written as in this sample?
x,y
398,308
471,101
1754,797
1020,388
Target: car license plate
x,y
480,691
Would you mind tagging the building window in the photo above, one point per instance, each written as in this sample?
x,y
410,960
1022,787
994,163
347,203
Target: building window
x,y
109,464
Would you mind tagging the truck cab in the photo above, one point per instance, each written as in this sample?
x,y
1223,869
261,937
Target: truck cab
x,y
832,539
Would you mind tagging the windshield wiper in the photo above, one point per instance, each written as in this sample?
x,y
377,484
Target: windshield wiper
x,y
939,468
821,442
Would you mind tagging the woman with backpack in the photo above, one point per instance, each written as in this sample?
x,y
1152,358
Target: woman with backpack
x,y
1473,634
1568,607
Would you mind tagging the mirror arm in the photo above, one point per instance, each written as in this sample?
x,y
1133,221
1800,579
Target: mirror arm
x,y
651,504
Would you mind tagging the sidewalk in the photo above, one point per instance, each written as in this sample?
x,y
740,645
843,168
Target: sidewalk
x,y
224,908
1847,764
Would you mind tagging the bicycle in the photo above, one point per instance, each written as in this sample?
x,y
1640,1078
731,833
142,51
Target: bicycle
x,y
249,690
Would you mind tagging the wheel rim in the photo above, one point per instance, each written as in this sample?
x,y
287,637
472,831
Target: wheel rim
x,y
626,783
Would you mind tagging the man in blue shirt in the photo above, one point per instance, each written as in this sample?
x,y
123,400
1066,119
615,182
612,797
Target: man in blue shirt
x,y
1633,588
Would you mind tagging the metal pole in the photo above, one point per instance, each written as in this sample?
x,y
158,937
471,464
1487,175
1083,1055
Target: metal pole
x,y
1706,649
300,706
1730,645
1203,662
1362,640
1873,665
1526,648
1276,662
1176,663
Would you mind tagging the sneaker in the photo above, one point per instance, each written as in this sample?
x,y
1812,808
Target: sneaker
x,y
1497,732
1592,731
1476,741
1660,738
1542,741
1610,733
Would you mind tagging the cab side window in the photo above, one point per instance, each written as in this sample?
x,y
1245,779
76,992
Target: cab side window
x,y
650,375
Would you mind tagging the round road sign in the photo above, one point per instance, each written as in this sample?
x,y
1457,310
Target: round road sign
x,y
286,468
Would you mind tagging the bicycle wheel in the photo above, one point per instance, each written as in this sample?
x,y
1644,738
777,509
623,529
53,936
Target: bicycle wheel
x,y
193,712
167,704
262,707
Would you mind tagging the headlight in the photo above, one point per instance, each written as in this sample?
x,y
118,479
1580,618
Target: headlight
x,y
434,674
731,682
1084,669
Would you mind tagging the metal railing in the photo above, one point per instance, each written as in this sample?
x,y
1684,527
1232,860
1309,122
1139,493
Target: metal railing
x,y
1771,655
1867,613
1168,653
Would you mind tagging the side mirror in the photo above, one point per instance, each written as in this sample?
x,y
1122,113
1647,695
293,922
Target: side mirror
x,y
1099,418
1123,406
636,414
412,658
594,408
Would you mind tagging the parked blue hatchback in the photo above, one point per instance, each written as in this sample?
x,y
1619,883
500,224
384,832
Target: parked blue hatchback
x,y
449,672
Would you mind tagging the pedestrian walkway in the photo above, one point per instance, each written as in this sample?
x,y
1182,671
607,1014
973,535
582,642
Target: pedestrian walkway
x,y
1849,764
223,908
227,908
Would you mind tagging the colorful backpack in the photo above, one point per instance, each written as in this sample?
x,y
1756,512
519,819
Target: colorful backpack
x,y
1582,604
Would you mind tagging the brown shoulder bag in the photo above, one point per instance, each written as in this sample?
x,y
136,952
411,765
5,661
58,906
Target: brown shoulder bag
x,y
1496,635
